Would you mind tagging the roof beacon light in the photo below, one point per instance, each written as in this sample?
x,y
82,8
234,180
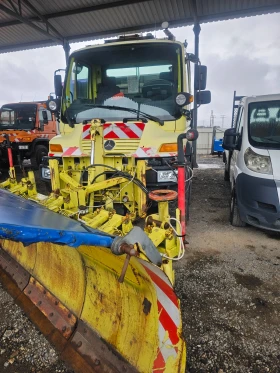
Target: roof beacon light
x,y
167,32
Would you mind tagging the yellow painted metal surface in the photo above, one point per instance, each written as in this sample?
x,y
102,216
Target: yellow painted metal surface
x,y
125,315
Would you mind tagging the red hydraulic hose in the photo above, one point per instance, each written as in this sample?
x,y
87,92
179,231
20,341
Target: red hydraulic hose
x,y
10,156
181,183
182,199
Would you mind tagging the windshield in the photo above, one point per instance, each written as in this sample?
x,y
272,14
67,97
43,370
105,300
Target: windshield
x,y
264,124
144,77
20,117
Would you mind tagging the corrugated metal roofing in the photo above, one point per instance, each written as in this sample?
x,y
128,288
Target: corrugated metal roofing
x,y
77,20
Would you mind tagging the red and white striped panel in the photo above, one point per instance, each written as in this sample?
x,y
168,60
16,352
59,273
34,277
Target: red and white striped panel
x,y
169,318
150,152
123,130
86,132
73,151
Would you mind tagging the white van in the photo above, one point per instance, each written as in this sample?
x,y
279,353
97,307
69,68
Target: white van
x,y
252,162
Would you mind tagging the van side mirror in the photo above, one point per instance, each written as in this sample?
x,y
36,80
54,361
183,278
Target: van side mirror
x,y
229,140
203,97
200,78
58,85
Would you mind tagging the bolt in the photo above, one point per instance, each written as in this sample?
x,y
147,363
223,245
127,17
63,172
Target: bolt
x,y
39,303
51,314
79,344
96,362
64,329
69,315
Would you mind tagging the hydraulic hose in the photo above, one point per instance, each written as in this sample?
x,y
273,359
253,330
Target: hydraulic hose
x,y
121,173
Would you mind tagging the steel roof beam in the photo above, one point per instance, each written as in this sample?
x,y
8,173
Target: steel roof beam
x,y
42,18
29,23
77,11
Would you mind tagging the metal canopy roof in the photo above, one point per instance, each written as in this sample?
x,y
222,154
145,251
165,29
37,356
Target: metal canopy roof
x,y
26,24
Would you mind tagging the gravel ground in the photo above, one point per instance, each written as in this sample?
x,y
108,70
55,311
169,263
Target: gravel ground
x,y
228,283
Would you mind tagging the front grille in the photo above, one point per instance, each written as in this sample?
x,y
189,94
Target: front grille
x,y
86,146
128,146
267,206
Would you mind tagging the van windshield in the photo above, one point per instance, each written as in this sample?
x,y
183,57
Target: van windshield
x,y
264,124
18,117
143,77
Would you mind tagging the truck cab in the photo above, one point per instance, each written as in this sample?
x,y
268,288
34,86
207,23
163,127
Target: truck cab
x,y
131,85
30,126
252,162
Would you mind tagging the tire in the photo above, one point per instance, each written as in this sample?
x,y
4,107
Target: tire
x,y
39,152
235,219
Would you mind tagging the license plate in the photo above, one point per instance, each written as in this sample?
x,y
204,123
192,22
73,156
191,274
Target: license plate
x,y
23,147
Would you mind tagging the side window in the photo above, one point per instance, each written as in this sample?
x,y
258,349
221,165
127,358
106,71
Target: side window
x,y
239,120
41,115
79,82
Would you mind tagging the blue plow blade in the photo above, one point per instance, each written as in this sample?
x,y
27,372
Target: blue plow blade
x,y
25,221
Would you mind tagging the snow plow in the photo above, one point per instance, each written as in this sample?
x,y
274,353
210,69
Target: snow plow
x,y
98,286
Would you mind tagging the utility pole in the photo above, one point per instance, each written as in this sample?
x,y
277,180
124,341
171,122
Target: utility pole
x,y
212,119
223,118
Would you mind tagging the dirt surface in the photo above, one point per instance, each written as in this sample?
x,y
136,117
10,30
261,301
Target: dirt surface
x,y
228,283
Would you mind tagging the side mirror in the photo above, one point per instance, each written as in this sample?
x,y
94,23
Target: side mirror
x,y
200,78
229,140
58,85
45,117
203,97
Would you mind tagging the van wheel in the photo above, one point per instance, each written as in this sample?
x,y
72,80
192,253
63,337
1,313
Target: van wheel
x,y
39,152
235,219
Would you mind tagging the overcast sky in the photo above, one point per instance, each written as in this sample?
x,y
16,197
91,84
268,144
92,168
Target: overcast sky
x,y
241,55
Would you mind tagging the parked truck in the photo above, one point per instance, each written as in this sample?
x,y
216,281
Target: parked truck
x,y
252,162
124,113
30,126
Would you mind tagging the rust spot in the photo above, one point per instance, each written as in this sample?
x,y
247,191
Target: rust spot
x,y
146,306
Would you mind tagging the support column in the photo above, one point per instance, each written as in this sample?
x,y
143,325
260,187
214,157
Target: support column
x,y
66,47
196,30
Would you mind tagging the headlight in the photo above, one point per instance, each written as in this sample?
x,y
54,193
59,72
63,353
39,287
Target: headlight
x,y
52,105
166,176
46,173
257,163
181,99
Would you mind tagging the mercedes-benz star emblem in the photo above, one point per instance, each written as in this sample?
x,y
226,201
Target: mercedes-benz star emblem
x,y
109,144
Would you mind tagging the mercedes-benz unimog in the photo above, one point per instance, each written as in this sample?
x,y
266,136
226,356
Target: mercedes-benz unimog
x,y
29,126
97,285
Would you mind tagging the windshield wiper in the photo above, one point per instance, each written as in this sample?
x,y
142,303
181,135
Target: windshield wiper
x,y
136,111
270,138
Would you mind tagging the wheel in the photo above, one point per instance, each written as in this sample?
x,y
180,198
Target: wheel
x,y
39,152
235,219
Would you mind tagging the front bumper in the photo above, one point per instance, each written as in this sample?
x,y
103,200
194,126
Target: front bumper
x,y
157,177
258,202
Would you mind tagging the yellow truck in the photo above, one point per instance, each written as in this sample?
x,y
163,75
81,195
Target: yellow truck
x,y
97,285
131,85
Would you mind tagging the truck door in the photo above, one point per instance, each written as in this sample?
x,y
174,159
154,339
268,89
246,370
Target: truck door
x,y
234,170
